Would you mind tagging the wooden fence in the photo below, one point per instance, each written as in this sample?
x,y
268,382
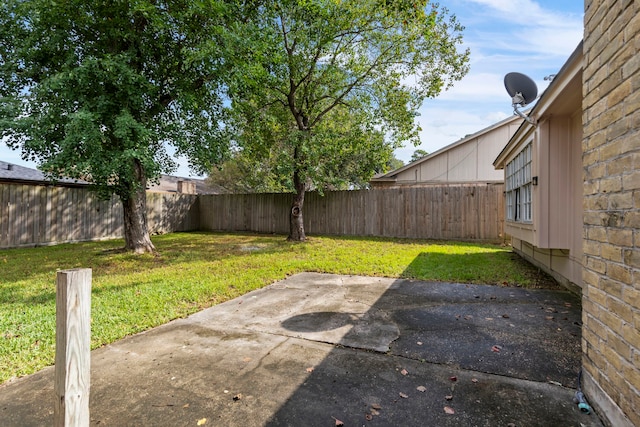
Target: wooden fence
x,y
32,215
463,212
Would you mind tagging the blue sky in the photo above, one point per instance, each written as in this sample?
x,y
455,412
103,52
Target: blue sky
x,y
534,37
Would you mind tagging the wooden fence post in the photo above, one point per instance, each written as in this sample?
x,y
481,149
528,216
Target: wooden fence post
x,y
73,347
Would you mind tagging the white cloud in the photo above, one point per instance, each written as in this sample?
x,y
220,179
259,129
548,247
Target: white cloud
x,y
524,26
554,41
528,36
476,87
510,7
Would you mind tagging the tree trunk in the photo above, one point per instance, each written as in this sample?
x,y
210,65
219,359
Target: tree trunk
x,y
296,220
134,206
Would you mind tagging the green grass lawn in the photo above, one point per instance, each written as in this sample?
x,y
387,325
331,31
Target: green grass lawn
x,y
132,293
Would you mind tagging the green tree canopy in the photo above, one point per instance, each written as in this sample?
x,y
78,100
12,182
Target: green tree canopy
x,y
95,89
331,87
259,170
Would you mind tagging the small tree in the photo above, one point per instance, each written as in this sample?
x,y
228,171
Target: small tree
x,y
393,164
94,90
418,154
332,87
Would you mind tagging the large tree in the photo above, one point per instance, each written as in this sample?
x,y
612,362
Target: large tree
x,y
97,89
331,87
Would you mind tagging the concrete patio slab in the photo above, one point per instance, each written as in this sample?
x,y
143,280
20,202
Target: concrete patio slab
x,y
318,349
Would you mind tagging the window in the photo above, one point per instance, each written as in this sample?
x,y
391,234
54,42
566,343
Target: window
x,y
519,187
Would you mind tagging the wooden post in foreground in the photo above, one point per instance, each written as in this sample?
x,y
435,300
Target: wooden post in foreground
x,y
73,347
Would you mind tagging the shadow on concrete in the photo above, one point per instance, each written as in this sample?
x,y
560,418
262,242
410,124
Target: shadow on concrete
x,y
319,321
508,350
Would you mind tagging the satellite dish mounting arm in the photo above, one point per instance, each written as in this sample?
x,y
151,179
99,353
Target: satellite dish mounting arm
x,y
518,100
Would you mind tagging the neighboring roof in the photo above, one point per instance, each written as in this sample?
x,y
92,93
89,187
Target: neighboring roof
x,y
389,176
13,173
169,183
559,83
10,172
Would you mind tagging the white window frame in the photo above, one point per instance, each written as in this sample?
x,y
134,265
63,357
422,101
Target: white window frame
x,y
519,187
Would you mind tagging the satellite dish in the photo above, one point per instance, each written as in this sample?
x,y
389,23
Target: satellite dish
x,y
522,90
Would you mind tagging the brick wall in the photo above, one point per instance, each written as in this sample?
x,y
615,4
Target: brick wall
x,y
611,160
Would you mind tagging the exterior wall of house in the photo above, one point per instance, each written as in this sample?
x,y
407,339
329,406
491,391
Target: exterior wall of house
x,y
552,240
432,169
611,162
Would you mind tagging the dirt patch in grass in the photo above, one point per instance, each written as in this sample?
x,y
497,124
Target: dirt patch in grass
x,y
536,278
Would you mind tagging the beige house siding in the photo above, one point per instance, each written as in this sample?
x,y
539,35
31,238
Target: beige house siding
x,y
559,193
611,165
467,160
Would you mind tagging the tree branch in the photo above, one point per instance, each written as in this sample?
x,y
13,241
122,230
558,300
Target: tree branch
x,y
351,86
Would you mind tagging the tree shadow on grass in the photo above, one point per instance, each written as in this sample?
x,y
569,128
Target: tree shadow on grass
x,y
13,294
